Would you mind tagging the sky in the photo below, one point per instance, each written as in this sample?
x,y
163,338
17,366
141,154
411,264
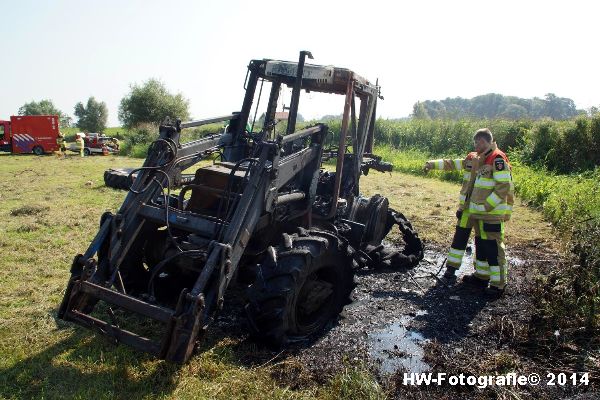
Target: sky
x,y
67,51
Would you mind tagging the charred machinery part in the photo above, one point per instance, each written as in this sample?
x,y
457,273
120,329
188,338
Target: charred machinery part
x,y
373,213
374,162
123,178
266,216
296,91
391,257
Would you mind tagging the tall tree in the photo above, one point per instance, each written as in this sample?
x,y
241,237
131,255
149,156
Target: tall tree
x,y
419,111
93,117
488,105
151,102
559,107
44,107
514,111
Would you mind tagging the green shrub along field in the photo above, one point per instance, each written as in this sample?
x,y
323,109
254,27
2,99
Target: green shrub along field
x,y
560,146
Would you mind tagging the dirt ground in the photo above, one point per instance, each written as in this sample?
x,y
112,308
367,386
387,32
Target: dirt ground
x,y
416,321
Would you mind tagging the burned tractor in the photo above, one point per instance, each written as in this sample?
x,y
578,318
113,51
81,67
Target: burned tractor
x,y
265,214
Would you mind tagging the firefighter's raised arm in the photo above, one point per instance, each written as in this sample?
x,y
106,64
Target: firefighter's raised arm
x,y
446,164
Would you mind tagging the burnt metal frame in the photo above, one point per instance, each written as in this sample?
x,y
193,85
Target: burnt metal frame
x,y
271,170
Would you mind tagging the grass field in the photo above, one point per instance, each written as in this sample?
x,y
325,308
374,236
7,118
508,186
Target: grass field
x,y
50,210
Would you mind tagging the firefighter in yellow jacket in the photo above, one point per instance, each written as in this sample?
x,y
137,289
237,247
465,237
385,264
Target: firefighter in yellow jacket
x,y
485,204
81,144
62,145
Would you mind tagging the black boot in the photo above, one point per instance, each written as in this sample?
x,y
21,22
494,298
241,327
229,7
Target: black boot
x,y
450,273
474,280
494,291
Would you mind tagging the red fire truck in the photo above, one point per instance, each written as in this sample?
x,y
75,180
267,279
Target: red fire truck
x,y
35,134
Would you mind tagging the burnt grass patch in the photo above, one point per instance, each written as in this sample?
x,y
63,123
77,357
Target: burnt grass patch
x,y
29,210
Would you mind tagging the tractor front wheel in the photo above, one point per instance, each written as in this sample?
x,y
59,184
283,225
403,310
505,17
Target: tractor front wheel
x,y
302,285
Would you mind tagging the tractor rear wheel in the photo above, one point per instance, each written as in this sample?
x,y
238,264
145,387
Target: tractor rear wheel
x,y
302,285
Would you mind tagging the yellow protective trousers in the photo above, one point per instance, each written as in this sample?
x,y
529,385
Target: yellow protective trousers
x,y
460,240
492,249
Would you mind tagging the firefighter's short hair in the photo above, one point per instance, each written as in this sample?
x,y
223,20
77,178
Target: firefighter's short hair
x,y
484,133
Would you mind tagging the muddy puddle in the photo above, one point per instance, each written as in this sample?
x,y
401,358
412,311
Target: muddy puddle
x,y
396,346
381,327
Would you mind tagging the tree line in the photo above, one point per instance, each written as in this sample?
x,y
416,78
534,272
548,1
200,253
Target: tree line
x,y
493,105
149,102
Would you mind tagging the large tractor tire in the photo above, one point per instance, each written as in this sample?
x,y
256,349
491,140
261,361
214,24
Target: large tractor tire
x,y
302,285
118,178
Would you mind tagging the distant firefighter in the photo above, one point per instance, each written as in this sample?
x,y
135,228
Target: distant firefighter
x,y
81,143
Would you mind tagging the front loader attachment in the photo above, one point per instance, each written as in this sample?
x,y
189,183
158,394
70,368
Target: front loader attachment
x,y
181,326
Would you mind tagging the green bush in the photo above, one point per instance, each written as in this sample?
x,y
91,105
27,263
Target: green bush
x,y
568,298
586,284
447,136
565,200
564,146
138,139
